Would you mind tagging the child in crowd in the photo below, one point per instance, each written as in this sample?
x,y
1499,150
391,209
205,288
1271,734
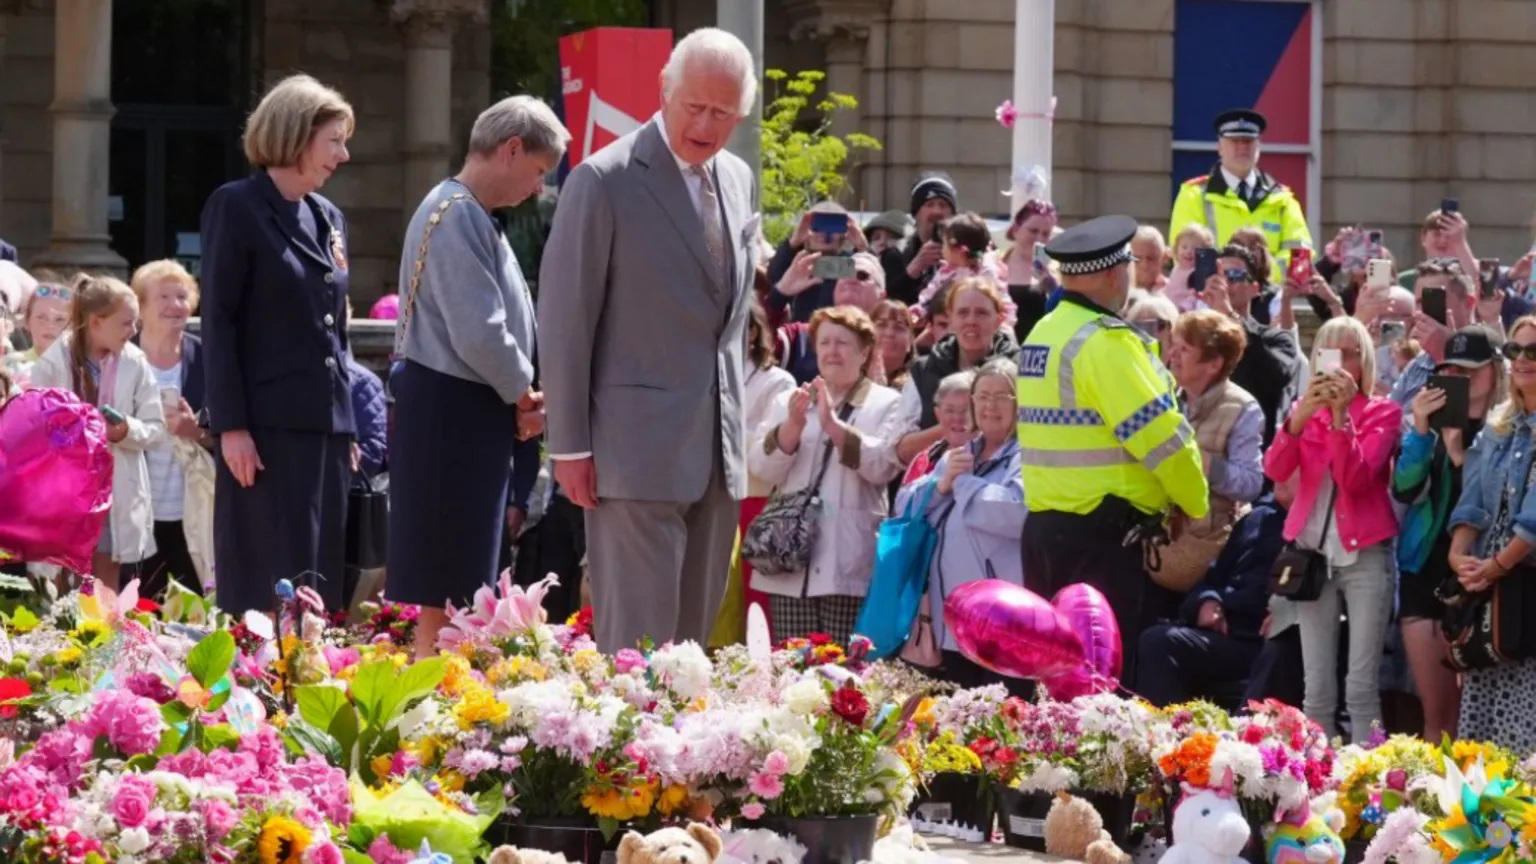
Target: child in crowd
x,y
1151,251
1194,236
967,252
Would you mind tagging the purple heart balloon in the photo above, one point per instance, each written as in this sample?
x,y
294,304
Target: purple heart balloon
x,y
1088,613
1011,630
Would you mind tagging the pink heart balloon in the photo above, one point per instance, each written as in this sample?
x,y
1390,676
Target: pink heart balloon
x,y
1087,612
1070,685
56,477
1011,630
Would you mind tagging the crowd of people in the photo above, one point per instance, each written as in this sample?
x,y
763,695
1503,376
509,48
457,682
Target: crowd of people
x,y
912,364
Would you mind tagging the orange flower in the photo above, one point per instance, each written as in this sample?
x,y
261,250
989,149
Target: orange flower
x,y
1191,760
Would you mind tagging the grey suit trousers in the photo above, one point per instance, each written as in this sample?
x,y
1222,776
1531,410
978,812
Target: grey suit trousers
x,y
660,568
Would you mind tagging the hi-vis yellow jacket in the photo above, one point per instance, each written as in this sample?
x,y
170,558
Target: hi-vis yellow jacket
x,y
1208,200
1098,416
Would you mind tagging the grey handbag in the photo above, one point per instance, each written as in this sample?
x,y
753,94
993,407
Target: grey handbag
x,y
779,541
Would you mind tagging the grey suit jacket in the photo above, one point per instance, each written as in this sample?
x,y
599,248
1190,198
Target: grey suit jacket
x,y
642,355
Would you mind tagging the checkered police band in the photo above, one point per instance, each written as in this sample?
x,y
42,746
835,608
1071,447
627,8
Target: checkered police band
x,y
1096,265
1240,129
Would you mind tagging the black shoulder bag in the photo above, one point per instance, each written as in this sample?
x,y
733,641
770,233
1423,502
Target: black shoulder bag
x,y
779,541
1299,573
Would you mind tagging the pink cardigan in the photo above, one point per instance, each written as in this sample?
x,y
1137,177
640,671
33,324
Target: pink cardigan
x,y
1360,460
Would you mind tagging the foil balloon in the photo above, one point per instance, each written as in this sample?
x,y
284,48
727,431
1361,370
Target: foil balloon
x,y
386,308
1078,682
1088,613
55,477
1011,630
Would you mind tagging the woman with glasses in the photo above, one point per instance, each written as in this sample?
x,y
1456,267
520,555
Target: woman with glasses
x,y
1340,442
1493,536
1154,315
975,500
1271,367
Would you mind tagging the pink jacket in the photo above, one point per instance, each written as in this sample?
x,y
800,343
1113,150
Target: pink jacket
x,y
1359,458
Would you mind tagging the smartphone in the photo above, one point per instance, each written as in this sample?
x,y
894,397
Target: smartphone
x,y
1042,261
1378,273
1432,301
1301,266
1449,205
1393,331
1488,278
830,224
1329,360
833,267
1453,414
170,397
113,416
1205,268
1354,252
1374,238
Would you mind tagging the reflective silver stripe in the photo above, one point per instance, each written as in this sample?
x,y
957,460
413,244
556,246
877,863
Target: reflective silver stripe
x,y
1176,442
1066,394
1210,212
1099,457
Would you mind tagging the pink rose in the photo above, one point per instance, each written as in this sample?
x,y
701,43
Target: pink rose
x,y
322,853
753,812
776,763
219,818
130,806
628,660
766,786
384,852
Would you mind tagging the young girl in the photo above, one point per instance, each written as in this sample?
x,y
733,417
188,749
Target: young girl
x,y
95,359
967,252
1194,236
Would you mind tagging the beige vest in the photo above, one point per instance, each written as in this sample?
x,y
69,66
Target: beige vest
x,y
1213,414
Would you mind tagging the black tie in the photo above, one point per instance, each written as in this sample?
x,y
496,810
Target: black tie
x,y
1242,190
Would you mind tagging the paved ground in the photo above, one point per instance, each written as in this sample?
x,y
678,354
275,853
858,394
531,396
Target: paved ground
x,y
984,852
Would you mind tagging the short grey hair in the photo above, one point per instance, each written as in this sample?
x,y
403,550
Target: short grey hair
x,y
521,117
716,50
955,383
997,367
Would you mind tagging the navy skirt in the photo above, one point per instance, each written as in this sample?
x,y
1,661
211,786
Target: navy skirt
x,y
450,464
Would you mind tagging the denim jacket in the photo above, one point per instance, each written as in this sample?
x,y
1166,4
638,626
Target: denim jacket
x,y
1493,462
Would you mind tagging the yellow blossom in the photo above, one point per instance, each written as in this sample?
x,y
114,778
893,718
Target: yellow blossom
x,y
673,798
381,765
588,662
68,656
924,716
451,781
477,704
282,841
620,804
456,674
424,749
279,719
91,633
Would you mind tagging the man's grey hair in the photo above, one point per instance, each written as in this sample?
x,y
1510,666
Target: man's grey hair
x,y
522,117
716,50
954,383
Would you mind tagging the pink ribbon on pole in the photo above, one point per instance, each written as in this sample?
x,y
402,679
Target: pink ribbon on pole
x,y
1007,114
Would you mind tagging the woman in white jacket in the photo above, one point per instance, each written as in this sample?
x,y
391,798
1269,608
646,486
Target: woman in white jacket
x,y
976,504
765,383
95,360
851,425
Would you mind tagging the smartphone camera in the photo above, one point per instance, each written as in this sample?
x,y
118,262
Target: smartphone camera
x,y
833,267
829,225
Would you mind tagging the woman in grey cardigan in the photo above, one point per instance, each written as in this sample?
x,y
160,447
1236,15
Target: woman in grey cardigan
x,y
463,380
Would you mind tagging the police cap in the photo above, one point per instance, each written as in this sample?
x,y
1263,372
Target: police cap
x,y
1240,123
1094,246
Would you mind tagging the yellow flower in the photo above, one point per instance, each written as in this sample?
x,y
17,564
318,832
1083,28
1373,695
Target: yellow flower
x,y
673,798
451,781
91,633
282,841
515,670
588,662
456,674
477,704
923,716
424,749
620,804
280,719
68,656
381,765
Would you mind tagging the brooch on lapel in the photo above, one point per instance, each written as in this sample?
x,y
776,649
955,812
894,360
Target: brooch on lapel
x,y
338,251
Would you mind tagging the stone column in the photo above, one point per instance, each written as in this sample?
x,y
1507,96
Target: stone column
x,y
744,18
82,130
429,26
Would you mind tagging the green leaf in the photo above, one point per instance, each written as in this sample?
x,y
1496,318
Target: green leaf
x,y
175,712
370,687
349,856
170,742
22,620
343,727
608,826
318,704
210,658
218,700
361,835
416,680
220,735
314,741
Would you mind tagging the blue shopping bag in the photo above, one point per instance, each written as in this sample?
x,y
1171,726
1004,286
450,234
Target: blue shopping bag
x,y
902,554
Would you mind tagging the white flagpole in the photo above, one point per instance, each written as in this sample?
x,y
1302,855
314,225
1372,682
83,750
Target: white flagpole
x,y
1033,74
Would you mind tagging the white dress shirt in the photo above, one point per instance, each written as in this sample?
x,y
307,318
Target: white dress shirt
x,y
1233,180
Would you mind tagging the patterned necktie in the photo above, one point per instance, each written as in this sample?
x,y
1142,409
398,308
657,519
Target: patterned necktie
x,y
709,212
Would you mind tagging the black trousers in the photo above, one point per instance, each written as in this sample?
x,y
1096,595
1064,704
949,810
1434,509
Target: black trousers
x,y
171,560
1179,663
555,545
1062,549
1277,673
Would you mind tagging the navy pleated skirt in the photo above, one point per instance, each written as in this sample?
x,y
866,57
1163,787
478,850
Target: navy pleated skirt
x,y
450,463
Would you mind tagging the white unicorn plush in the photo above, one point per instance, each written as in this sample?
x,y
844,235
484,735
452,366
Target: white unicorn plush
x,y
1208,827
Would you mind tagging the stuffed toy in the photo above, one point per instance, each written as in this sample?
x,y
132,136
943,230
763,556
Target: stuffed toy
x,y
1208,828
514,855
696,844
1306,838
1074,829
759,846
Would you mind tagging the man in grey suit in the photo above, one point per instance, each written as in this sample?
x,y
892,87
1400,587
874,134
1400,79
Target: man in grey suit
x,y
643,297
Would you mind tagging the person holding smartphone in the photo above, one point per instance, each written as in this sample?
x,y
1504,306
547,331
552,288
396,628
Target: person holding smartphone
x,y
802,273
1339,442
1447,302
1428,480
96,360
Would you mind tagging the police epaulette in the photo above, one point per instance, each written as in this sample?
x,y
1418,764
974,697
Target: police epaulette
x,y
1110,322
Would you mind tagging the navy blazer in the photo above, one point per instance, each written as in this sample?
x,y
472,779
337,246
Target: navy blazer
x,y
274,312
192,375
1239,577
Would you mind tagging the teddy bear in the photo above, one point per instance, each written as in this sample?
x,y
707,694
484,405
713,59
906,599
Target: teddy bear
x,y
696,844
760,846
514,855
1074,829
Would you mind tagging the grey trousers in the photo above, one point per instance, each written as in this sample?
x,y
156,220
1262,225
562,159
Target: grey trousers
x,y
660,568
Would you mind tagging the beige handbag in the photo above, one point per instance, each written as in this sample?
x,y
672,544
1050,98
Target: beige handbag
x,y
922,649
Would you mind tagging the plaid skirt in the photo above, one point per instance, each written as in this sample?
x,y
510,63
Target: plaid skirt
x,y
799,617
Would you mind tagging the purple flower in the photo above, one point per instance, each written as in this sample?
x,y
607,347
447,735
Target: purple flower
x,y
150,686
322,853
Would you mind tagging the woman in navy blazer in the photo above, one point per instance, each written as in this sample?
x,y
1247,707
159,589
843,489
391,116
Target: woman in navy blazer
x,y
167,295
275,341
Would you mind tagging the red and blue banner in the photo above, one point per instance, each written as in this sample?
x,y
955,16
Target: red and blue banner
x,y
1243,54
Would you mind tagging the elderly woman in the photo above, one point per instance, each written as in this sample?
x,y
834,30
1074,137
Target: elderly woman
x,y
1493,536
952,406
464,369
1154,315
975,499
839,435
1229,426
975,307
275,270
181,473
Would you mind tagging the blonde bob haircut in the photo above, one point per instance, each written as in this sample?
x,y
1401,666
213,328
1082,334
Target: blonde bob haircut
x,y
283,124
1503,417
1331,335
165,270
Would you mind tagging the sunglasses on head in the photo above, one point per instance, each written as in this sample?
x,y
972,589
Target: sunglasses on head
x,y
58,292
1237,274
1516,351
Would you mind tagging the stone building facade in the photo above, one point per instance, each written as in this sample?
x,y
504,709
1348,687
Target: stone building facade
x,y
1415,100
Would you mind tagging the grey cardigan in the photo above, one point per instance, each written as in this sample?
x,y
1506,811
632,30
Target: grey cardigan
x,y
473,317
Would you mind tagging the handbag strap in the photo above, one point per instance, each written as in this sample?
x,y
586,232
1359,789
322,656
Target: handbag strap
x,y
843,414
420,264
